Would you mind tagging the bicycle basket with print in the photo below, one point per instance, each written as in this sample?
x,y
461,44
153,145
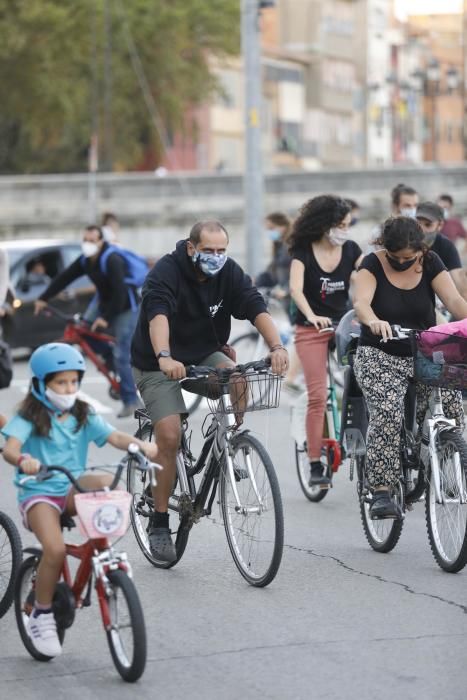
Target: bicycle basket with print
x,y
248,391
103,513
441,360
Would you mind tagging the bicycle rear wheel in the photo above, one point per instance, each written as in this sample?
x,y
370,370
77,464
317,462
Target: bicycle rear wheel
x,y
446,522
313,493
126,635
24,602
382,535
142,507
255,534
11,555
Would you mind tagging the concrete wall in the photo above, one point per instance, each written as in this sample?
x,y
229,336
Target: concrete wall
x,y
155,212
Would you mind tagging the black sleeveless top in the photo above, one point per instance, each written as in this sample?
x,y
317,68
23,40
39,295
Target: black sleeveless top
x,y
409,308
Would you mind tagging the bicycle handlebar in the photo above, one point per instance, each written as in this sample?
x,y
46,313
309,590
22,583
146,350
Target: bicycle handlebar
x,y
223,373
75,318
46,471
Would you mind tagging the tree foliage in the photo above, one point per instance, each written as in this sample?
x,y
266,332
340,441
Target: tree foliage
x,y
67,68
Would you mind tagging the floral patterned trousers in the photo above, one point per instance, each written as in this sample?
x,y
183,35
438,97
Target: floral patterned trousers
x,y
384,379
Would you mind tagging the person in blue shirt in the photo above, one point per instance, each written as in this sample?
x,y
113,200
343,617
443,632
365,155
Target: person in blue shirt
x,y
54,427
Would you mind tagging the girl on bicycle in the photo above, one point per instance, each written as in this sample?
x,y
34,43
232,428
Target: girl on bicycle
x,y
397,285
323,260
54,427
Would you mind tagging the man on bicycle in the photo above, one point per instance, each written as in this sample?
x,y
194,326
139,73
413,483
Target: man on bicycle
x,y
430,216
189,298
116,308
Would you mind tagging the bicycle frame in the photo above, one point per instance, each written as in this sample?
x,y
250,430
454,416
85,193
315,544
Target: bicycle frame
x,y
216,451
96,558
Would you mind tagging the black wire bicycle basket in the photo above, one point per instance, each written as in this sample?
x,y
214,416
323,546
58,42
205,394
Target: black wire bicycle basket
x,y
244,391
441,360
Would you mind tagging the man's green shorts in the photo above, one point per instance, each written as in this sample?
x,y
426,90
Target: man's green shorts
x,y
162,396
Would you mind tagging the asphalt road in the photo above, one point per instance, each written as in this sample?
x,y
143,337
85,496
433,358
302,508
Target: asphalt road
x,y
339,621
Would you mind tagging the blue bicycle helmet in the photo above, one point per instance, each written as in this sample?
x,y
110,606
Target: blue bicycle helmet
x,y
51,358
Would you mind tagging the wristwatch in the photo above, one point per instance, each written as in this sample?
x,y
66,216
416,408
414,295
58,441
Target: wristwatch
x,y
163,353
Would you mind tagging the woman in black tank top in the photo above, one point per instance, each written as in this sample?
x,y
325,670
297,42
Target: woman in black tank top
x,y
397,285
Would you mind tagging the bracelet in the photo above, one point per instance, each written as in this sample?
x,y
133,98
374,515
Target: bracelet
x,y
276,347
22,458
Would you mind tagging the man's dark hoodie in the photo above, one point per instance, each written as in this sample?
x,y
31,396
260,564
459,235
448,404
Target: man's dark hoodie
x,y
199,312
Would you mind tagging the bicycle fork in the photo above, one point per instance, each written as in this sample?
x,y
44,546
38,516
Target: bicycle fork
x,y
228,423
435,426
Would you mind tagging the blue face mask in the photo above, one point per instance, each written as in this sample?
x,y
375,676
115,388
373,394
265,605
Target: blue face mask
x,y
273,234
209,263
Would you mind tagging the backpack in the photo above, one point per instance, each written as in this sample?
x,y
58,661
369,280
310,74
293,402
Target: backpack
x,y
136,268
446,343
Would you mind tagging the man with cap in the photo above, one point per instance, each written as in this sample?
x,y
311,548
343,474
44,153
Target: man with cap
x,y
430,216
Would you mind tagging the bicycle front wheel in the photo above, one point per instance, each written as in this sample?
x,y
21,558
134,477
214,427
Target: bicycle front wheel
x,y
142,507
11,555
446,521
127,633
255,530
382,535
249,347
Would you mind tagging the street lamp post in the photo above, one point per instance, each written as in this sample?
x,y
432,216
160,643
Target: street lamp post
x,y
253,180
433,75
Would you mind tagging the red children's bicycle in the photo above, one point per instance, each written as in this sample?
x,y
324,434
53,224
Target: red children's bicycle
x,y
95,345
102,515
98,348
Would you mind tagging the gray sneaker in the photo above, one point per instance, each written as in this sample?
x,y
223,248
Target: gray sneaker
x,y
161,544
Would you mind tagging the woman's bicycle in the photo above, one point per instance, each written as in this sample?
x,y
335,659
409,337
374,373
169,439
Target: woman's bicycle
x,y
11,556
98,348
433,461
102,515
234,464
331,448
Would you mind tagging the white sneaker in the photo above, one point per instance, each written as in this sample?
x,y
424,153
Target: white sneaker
x,y
42,631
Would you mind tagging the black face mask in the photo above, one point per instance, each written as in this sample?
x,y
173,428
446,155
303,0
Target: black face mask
x,y
398,266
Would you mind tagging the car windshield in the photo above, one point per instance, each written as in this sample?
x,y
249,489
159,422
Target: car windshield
x,y
14,256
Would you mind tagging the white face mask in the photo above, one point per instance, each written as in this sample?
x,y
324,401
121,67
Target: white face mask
x,y
411,212
337,236
109,234
62,402
89,249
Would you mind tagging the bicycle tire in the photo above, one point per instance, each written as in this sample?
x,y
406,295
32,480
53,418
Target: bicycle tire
x,y
139,503
249,352
24,602
192,401
130,669
315,494
244,440
454,560
382,535
11,556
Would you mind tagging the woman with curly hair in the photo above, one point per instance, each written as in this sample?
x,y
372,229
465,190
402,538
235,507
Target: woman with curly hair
x,y
323,260
397,285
